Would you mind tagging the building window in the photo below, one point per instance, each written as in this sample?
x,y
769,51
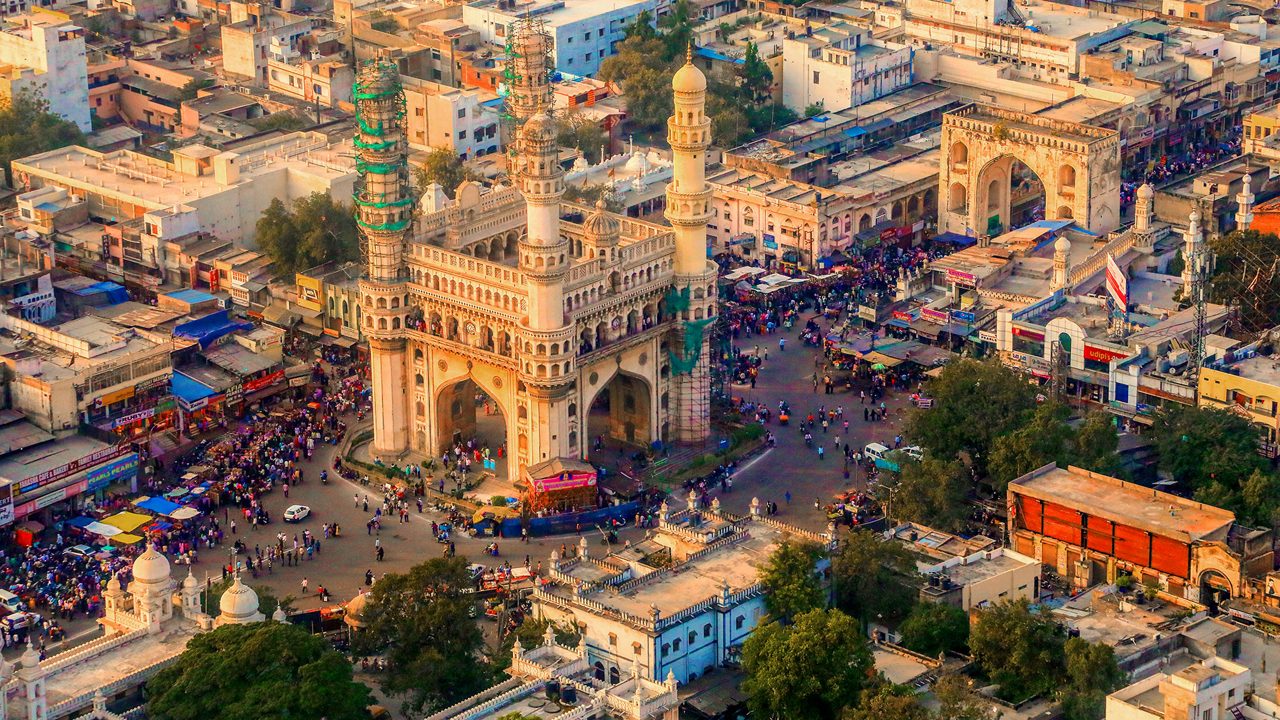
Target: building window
x,y
462,113
706,630
462,134
737,624
666,650
613,639
675,645
816,75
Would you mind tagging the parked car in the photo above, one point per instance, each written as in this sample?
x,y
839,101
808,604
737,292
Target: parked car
x,y
296,513
78,551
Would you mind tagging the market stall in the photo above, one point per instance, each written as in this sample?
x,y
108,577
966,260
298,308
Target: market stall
x,y
560,485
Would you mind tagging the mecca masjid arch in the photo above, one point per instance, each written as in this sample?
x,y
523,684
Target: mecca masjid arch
x,y
1078,165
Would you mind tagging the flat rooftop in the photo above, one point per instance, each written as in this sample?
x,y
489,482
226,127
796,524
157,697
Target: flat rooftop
x,y
31,462
979,567
1027,122
1262,368
1107,497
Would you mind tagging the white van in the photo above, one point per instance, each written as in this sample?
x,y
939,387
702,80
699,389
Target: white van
x,y
876,451
11,602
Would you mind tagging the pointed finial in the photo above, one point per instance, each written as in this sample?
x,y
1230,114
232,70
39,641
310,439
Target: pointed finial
x,y
688,53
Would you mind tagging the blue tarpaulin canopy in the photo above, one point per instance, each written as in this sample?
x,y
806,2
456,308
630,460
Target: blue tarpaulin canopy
x,y
960,241
188,390
80,521
209,328
160,506
115,292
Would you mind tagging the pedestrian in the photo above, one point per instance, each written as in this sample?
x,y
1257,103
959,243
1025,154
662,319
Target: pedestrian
x,y
788,497
304,586
821,453
233,527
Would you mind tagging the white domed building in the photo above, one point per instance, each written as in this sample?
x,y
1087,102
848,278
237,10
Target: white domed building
x,y
238,606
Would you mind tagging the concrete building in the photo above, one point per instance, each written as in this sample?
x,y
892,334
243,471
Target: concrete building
x,y
45,55
1213,689
840,66
537,670
228,190
1090,528
1246,381
465,122
249,45
319,81
584,32
86,372
675,604
982,579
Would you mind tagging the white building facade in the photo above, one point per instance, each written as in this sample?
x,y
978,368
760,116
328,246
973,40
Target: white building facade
x,y
842,66
54,53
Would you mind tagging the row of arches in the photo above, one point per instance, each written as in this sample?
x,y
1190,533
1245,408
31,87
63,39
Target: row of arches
x,y
496,249
497,299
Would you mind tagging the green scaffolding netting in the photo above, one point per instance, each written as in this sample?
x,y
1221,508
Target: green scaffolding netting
x,y
677,300
377,168
684,363
394,226
382,145
402,202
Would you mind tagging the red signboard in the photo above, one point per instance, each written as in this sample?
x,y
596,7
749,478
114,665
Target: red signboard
x,y
1102,354
1029,334
264,381
903,316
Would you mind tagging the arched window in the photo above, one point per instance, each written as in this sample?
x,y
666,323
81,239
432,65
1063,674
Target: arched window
x,y
959,154
706,630
1067,176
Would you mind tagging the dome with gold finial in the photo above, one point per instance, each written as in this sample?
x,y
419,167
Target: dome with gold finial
x,y
689,79
600,225
538,128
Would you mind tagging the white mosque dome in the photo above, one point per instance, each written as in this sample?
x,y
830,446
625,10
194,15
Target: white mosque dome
x,y
239,603
636,164
1062,244
689,79
151,567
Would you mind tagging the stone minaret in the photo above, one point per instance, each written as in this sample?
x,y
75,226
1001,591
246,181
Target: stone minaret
x,y
384,212
1193,242
1061,263
688,209
1143,208
548,371
1244,213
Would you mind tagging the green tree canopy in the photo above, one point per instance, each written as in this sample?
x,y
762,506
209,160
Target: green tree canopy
x,y
934,628
889,701
791,584
444,168
576,130
974,403
531,633
957,700
1019,648
1049,437
313,231
261,670
192,89
419,622
1244,275
1202,446
810,670
1091,674
27,128
873,579
934,492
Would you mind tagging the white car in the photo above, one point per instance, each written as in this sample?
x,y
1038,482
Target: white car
x,y
296,513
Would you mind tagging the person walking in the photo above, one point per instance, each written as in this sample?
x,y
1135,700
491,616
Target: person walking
x,y
304,586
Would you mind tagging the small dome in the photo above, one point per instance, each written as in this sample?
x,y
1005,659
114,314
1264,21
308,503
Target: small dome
x,y
279,615
689,79
355,609
151,567
538,127
600,224
239,602
1062,245
636,163
190,582
1145,190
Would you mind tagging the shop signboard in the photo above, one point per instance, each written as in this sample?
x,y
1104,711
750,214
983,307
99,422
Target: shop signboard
x,y
155,382
866,312
1102,354
770,242
298,381
58,473
234,394
904,316
265,381
963,316
132,418
958,277
6,503
101,477
987,336
195,405
166,404
938,316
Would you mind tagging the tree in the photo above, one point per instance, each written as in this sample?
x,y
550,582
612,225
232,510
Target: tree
x,y
283,120
974,403
1095,443
756,77
315,230
419,621
27,128
1202,446
1244,275
444,168
1091,674
809,670
934,628
576,130
1019,648
873,578
193,87
956,699
933,492
1043,439
1260,498
889,701
259,670
639,69
589,194
791,584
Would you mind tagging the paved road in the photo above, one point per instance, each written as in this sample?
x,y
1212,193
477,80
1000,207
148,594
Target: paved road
x,y
788,376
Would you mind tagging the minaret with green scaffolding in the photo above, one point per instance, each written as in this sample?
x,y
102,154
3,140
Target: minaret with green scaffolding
x,y
384,207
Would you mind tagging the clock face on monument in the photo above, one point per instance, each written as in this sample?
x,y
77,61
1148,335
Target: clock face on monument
x,y
470,327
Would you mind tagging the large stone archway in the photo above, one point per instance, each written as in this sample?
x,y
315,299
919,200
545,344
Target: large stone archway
x,y
1079,166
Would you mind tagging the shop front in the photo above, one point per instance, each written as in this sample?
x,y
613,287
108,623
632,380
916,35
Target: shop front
x,y
199,406
66,488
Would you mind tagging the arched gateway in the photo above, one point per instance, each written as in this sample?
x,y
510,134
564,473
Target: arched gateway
x,y
1078,166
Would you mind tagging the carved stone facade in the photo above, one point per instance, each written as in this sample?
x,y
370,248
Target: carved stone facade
x,y
544,305
1079,166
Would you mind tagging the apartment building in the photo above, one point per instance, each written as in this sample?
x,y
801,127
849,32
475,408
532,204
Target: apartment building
x,y
43,53
463,121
